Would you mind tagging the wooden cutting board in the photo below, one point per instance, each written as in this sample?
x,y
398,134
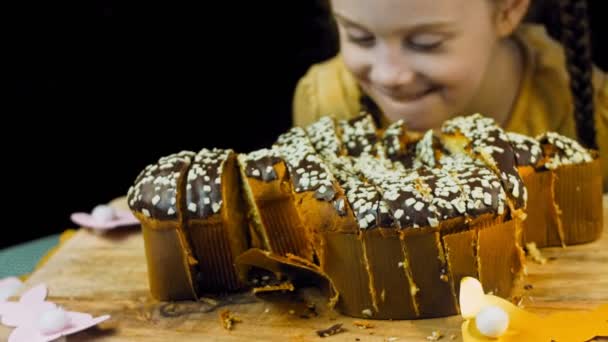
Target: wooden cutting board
x,y
107,275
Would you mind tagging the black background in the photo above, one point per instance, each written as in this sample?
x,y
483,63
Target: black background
x,y
215,74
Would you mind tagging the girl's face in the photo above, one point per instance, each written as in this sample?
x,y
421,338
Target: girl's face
x,y
422,61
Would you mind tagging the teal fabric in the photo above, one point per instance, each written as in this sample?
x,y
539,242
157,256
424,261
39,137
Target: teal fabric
x,y
20,259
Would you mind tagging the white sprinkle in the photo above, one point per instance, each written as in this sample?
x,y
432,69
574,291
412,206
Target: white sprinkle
x,y
189,187
370,218
322,189
398,213
155,200
171,211
410,201
433,222
391,196
487,198
269,169
367,313
218,180
418,206
256,173
460,205
206,188
515,189
206,200
215,207
400,264
146,212
192,207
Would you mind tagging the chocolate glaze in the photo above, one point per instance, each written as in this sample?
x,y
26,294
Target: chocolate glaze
x,y
154,193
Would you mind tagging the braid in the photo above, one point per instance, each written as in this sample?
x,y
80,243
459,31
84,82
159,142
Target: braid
x,y
576,40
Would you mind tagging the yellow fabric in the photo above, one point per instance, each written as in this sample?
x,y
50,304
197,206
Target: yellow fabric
x,y
327,89
544,102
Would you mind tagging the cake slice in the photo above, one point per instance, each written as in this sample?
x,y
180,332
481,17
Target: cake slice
x,y
542,221
400,145
577,189
481,138
156,200
358,135
274,221
215,219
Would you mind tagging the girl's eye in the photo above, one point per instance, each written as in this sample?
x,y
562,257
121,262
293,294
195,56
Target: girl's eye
x,y
425,41
361,38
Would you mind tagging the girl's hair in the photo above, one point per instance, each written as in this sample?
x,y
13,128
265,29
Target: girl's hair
x,y
567,20
575,37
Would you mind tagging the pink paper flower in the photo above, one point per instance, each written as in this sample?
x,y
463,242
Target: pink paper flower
x,y
104,218
38,320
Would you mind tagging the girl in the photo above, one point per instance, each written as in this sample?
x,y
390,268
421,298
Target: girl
x,y
427,61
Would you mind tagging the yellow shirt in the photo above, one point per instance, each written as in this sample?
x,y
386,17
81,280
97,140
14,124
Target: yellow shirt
x,y
544,102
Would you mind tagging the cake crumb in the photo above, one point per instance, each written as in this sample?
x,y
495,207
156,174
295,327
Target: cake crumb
x,y
414,289
391,339
363,324
452,337
311,311
334,329
228,319
519,301
435,336
528,287
535,254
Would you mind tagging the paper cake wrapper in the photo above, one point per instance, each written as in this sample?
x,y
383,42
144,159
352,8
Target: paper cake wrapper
x,y
578,195
171,267
564,205
416,274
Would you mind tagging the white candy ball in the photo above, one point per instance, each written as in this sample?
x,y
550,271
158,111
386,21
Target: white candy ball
x,y
103,213
492,321
10,289
53,321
